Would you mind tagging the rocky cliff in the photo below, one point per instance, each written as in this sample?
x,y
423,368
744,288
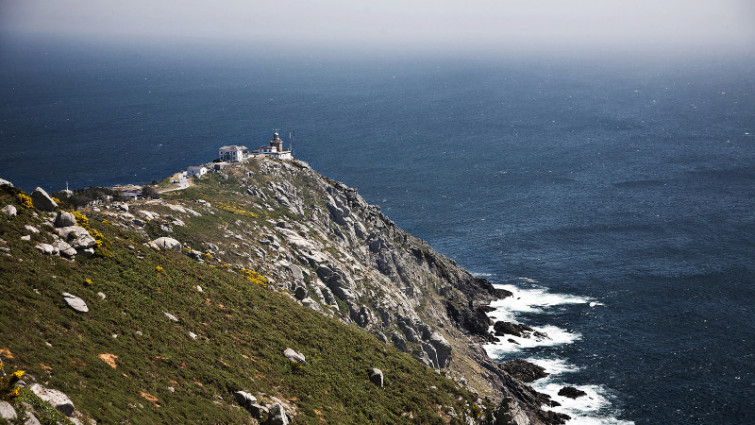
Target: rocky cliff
x,y
321,244
318,240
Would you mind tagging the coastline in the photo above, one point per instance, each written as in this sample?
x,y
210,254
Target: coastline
x,y
594,406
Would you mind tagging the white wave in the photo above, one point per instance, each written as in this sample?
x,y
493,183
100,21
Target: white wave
x,y
526,279
590,409
476,274
511,344
594,408
597,420
554,366
534,300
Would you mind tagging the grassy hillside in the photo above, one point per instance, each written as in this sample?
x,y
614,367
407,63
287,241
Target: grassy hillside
x,y
163,374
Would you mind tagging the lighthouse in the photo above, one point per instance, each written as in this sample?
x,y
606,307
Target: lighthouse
x,y
275,149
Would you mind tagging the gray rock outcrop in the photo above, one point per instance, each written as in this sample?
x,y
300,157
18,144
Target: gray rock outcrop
x,y
295,357
65,219
77,237
442,348
376,377
165,244
300,292
258,411
9,210
244,399
277,415
43,201
64,248
4,182
75,303
46,249
57,399
7,411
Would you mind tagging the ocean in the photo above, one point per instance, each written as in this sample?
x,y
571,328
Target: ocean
x,y
614,196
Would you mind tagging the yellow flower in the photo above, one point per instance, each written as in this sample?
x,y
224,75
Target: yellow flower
x,y
88,281
158,268
15,376
81,219
24,200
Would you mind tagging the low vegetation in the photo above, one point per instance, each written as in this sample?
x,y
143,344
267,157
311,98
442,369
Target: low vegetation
x,y
126,361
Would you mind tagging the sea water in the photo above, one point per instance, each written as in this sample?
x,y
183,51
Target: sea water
x,y
615,197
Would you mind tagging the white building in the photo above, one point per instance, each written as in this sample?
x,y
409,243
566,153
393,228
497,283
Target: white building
x,y
233,153
275,149
198,171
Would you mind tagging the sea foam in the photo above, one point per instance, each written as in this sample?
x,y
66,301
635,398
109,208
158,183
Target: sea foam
x,y
533,301
595,407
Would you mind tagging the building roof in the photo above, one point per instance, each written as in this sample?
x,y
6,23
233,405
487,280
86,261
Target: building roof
x,y
232,148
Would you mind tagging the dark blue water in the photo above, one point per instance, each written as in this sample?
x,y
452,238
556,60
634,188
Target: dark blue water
x,y
626,181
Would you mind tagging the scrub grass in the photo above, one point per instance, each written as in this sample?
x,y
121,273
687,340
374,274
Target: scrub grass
x,y
161,373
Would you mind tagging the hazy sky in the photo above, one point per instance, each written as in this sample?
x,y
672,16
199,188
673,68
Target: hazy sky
x,y
436,24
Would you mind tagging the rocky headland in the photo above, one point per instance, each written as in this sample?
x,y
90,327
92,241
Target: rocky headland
x,y
282,228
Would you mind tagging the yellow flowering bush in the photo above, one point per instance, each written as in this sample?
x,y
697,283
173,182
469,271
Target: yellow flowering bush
x,y
102,249
81,219
235,208
254,277
8,384
24,200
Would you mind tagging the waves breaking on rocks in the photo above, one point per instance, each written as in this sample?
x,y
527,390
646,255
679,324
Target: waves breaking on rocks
x,y
516,339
